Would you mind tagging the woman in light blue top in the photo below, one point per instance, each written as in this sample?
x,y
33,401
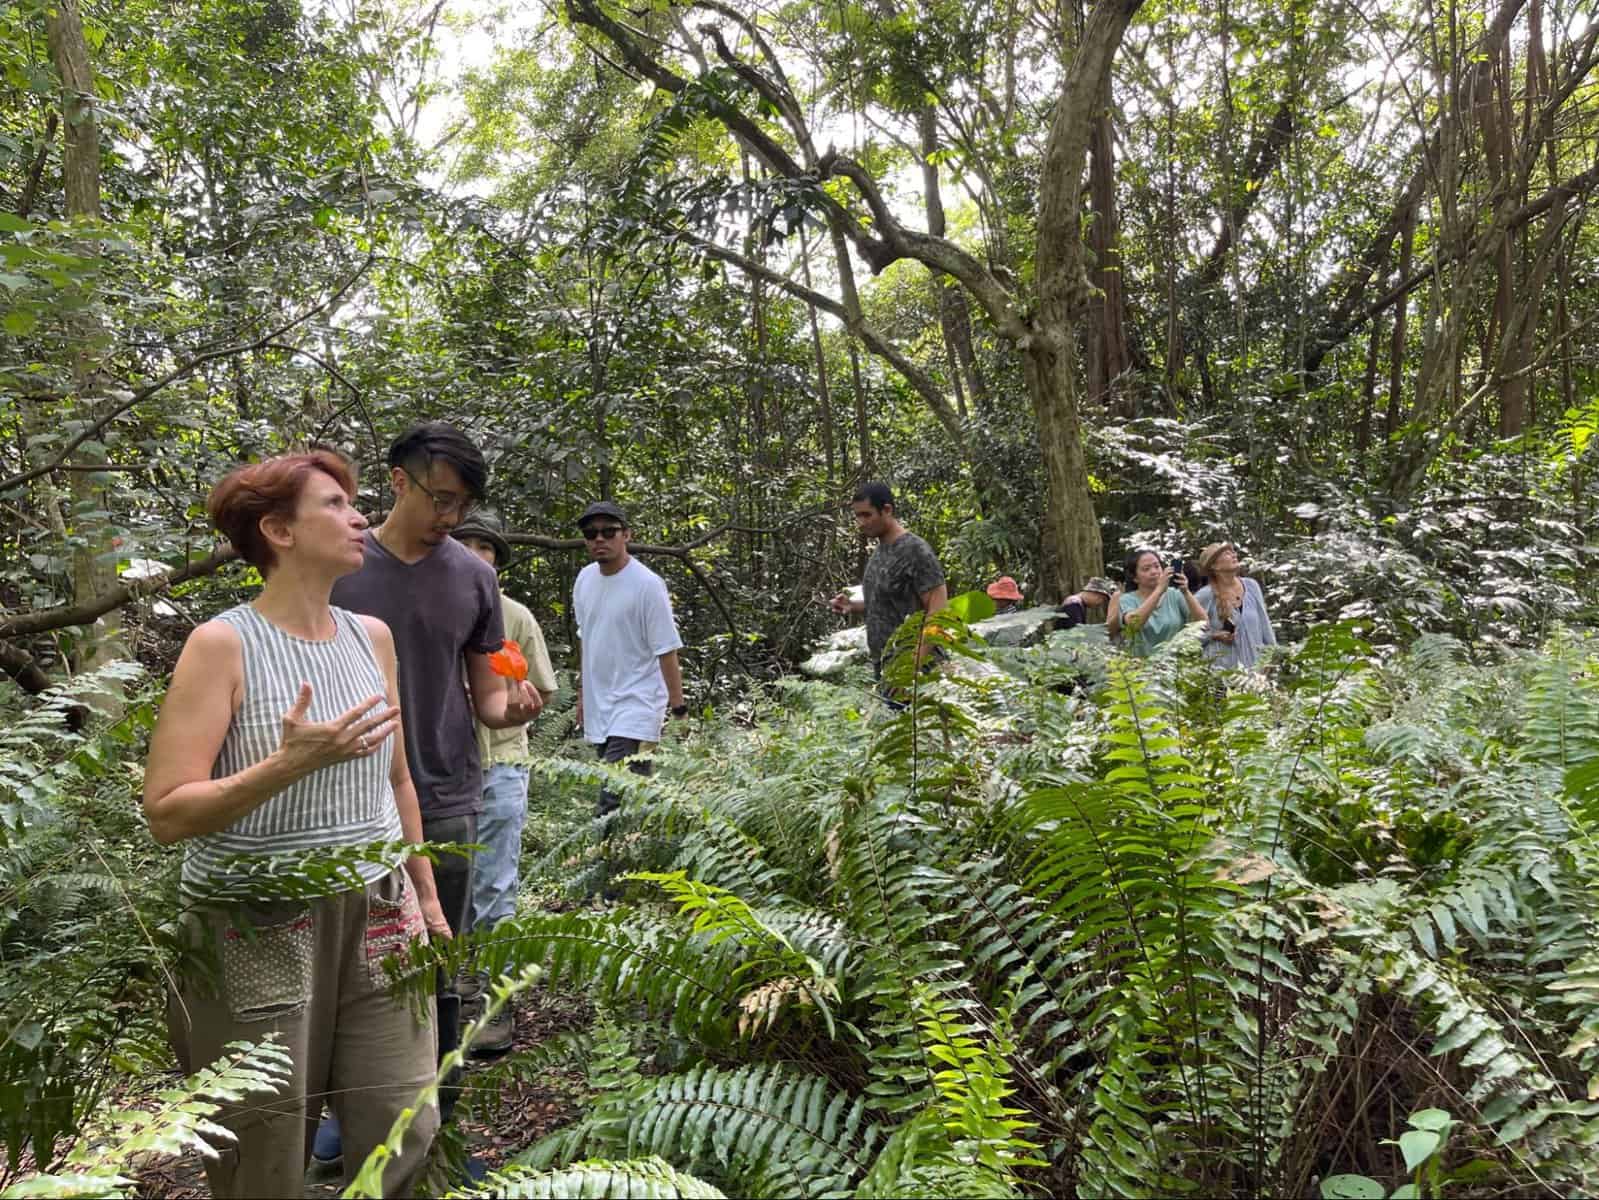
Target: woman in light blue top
x,y
1236,623
1155,610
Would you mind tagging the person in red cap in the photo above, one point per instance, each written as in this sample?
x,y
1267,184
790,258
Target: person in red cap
x,y
1007,597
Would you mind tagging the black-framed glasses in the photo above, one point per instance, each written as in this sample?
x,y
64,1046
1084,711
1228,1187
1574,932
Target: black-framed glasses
x,y
443,504
595,534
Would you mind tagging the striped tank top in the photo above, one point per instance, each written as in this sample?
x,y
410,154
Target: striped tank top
x,y
348,804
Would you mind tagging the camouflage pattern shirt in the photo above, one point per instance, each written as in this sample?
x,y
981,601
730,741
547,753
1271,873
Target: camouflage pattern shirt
x,y
897,575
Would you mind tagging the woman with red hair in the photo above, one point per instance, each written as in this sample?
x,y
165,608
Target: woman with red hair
x,y
279,736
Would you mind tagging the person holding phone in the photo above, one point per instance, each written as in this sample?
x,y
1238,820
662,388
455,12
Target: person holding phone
x,y
1156,605
1237,625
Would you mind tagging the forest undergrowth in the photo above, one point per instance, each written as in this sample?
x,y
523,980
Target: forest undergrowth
x,y
1070,924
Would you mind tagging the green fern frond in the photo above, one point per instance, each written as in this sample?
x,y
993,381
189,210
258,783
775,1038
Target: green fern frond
x,y
619,958
738,1119
180,1124
916,1163
767,957
649,1178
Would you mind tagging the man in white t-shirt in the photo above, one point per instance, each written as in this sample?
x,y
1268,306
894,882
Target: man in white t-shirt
x,y
630,677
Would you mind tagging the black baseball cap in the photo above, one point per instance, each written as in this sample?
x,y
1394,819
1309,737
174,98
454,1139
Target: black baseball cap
x,y
602,508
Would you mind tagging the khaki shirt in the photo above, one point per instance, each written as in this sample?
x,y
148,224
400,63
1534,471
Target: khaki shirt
x,y
510,745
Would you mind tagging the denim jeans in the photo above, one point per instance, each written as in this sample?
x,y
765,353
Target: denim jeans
x,y
499,829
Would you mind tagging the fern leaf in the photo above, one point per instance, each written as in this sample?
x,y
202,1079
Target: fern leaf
x,y
649,1178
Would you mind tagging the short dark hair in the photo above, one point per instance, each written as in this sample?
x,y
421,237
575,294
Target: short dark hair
x,y
1130,566
248,494
418,447
878,495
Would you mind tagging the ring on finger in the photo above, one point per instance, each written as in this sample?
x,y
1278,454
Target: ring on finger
x,y
364,745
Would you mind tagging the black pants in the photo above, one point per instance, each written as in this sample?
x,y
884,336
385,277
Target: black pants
x,y
615,749
452,874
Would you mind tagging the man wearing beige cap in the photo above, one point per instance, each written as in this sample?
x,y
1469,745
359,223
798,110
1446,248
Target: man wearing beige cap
x,y
1095,597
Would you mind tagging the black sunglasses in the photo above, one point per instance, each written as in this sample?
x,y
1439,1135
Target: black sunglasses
x,y
592,534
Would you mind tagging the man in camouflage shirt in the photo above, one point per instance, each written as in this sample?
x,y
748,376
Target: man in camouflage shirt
x,y
902,576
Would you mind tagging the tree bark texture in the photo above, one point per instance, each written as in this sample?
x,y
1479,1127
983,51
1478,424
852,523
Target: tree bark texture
x,y
94,560
1109,357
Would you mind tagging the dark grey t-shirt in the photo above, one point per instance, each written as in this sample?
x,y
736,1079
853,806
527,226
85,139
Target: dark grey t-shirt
x,y
438,609
896,576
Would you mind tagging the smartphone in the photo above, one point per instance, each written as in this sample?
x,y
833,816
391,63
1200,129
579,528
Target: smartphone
x,y
1228,625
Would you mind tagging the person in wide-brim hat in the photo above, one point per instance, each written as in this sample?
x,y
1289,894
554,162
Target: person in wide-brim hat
x,y
1006,595
1094,597
1237,626
486,525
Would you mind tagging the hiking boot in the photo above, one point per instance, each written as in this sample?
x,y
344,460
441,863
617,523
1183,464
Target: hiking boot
x,y
471,987
496,1037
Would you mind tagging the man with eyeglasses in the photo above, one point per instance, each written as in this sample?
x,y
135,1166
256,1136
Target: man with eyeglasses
x,y
442,603
630,675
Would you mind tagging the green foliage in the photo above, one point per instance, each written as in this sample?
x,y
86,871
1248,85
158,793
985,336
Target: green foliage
x,y
368,1181
1138,947
651,1178
178,1122
84,897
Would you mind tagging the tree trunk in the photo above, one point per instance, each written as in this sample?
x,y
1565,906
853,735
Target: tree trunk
x,y
1108,355
863,429
94,561
1396,353
1368,395
823,391
1071,542
954,314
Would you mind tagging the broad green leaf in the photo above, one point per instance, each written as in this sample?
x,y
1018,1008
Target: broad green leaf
x,y
20,322
1351,1187
1418,1145
972,606
1435,1119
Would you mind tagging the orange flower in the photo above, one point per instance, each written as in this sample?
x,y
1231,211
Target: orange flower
x,y
508,661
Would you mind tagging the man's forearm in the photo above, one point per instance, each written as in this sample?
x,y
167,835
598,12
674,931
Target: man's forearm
x,y
672,675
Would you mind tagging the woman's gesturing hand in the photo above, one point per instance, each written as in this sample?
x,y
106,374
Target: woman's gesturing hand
x,y
311,745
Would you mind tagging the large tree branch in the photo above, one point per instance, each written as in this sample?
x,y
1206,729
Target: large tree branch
x,y
935,252
545,542
1260,160
1062,278
777,90
923,383
588,12
895,242
764,273
131,400
63,616
18,663
1555,197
